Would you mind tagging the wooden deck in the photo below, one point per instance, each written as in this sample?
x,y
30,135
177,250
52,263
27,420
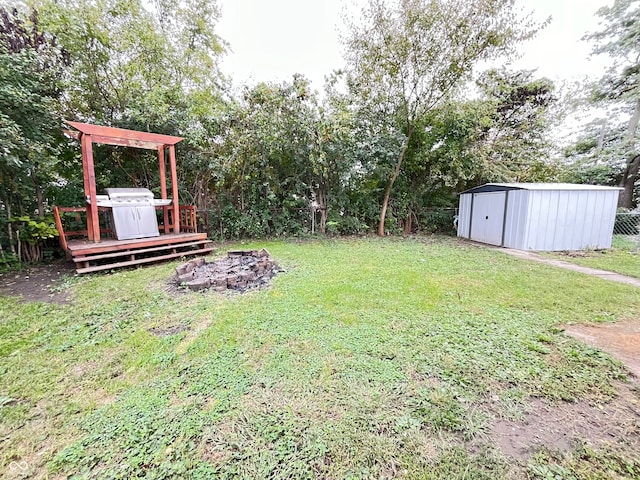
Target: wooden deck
x,y
109,253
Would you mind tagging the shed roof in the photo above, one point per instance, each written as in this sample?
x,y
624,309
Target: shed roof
x,y
124,137
499,187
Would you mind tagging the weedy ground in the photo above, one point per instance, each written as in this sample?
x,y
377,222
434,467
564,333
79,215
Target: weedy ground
x,y
372,358
623,257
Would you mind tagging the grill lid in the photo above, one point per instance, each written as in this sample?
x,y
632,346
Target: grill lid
x,y
129,193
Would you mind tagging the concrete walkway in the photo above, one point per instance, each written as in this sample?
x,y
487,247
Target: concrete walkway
x,y
604,274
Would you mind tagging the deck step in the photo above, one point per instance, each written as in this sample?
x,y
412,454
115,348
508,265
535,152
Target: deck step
x,y
137,261
132,251
113,246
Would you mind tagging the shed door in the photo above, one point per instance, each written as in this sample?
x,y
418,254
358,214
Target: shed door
x,y
487,218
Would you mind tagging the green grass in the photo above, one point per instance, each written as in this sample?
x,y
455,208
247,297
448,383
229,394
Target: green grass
x,y
623,257
366,359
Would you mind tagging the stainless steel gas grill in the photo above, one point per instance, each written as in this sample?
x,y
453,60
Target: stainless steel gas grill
x,y
133,211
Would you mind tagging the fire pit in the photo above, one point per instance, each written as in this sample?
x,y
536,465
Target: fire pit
x,y
239,270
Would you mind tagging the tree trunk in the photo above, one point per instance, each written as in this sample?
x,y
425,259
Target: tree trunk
x,y
628,183
321,198
408,224
394,176
323,221
10,229
600,144
40,200
633,164
38,190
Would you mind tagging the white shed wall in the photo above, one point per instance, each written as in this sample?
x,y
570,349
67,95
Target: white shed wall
x,y
464,215
570,219
516,218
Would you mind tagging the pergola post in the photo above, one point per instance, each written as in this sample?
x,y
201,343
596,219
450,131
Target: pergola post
x,y
93,221
174,189
90,134
163,187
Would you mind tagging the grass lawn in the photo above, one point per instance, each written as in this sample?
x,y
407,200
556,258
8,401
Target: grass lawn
x,y
367,359
623,257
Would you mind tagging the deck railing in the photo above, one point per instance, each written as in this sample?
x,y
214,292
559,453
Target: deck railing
x,y
71,222
188,221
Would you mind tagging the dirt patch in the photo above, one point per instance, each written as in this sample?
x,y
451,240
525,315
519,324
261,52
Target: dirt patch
x,y
166,331
38,284
581,253
561,426
213,454
621,340
192,334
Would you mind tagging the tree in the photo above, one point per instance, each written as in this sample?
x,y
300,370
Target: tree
x,y
620,39
500,136
596,157
513,142
31,65
150,66
275,162
404,58
133,62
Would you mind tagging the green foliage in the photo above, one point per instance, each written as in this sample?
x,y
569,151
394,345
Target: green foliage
x,y
142,66
596,157
346,225
281,161
35,231
9,262
397,76
438,221
137,65
32,64
618,39
33,236
620,86
513,143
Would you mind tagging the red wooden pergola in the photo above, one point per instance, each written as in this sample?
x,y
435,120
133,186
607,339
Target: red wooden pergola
x,y
89,134
179,236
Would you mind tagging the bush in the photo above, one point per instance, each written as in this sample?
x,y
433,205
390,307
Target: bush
x,y
9,262
437,221
34,233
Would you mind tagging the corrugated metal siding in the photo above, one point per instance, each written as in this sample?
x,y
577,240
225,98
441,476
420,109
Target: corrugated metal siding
x,y
552,215
570,220
553,219
517,207
593,208
607,218
464,215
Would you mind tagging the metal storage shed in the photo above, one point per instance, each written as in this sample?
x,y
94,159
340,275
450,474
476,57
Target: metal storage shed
x,y
539,216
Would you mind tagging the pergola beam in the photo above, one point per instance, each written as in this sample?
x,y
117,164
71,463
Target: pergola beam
x,y
122,135
90,134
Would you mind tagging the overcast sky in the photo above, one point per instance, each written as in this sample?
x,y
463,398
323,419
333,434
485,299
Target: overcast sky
x,y
273,39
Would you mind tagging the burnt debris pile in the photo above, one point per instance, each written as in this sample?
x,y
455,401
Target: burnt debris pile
x,y
240,270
